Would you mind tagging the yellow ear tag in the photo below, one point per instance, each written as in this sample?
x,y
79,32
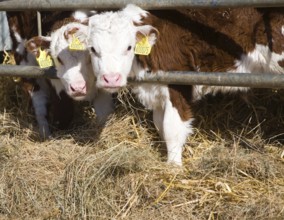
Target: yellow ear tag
x,y
9,59
76,44
44,60
143,47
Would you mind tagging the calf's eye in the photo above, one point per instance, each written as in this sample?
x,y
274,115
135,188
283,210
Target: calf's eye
x,y
129,48
94,52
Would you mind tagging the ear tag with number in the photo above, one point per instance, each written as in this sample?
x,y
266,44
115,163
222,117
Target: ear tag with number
x,y
76,44
143,47
44,60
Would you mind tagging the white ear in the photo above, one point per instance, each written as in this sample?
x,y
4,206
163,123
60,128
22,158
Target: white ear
x,y
79,30
134,13
148,30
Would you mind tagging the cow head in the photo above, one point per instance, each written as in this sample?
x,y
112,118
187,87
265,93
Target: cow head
x,y
111,41
73,65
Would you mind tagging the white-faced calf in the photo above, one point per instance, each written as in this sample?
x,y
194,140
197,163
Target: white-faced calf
x,y
73,66
229,40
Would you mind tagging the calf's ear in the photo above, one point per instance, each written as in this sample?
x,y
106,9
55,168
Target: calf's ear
x,y
134,13
80,31
36,43
70,31
149,31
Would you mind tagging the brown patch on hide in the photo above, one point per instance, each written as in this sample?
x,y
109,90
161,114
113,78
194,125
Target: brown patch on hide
x,y
59,24
209,40
269,32
25,23
70,32
205,40
36,43
180,96
281,63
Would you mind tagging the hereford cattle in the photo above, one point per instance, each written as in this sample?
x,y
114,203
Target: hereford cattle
x,y
23,26
73,66
137,42
75,78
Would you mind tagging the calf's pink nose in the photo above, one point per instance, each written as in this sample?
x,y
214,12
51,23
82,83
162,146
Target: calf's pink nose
x,y
112,80
80,88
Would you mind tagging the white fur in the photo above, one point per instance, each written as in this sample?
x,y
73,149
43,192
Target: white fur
x,y
77,68
260,60
172,129
76,64
166,118
175,133
110,34
134,13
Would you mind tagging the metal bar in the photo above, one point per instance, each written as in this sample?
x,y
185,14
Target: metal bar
x,y
27,71
253,80
39,30
12,5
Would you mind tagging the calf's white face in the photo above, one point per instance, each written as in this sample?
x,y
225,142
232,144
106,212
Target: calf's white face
x,y
73,66
111,42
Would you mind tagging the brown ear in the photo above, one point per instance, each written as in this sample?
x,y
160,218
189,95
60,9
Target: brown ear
x,y
34,44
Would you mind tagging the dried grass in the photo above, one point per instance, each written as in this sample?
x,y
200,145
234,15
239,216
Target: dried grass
x,y
232,164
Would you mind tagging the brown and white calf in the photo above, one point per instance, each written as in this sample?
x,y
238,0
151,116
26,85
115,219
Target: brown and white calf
x,y
74,68
23,26
229,40
76,79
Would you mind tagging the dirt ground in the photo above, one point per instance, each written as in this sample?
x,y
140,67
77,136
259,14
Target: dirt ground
x,y
233,164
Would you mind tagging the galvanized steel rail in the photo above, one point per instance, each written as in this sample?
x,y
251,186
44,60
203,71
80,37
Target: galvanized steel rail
x,y
253,80
12,5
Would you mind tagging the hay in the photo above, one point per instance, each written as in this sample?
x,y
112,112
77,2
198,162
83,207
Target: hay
x,y
232,164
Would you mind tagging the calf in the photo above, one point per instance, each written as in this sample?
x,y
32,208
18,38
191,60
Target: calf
x,y
23,25
229,40
73,66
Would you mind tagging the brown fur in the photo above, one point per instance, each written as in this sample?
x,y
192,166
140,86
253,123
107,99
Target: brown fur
x,y
35,43
63,22
208,40
180,97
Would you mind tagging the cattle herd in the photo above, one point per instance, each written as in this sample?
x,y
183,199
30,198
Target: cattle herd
x,y
95,52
